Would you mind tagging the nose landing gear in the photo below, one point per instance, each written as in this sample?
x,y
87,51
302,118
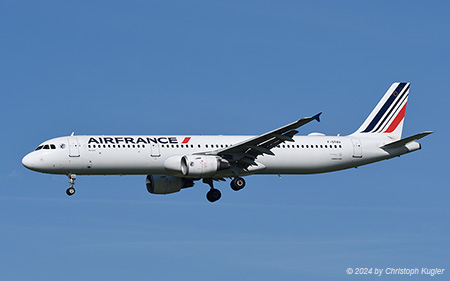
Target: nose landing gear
x,y
71,191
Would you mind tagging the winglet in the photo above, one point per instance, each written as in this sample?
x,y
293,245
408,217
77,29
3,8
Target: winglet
x,y
317,116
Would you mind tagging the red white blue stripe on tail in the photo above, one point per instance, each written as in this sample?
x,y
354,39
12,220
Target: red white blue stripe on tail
x,y
387,117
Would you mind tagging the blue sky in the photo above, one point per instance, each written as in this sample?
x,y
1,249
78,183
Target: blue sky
x,y
221,67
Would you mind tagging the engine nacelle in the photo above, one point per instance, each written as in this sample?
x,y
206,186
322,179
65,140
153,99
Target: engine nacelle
x,y
159,184
202,165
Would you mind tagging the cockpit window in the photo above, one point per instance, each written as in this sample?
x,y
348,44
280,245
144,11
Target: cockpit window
x,y
45,146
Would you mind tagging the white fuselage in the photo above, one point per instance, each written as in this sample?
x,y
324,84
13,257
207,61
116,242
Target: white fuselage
x,y
144,155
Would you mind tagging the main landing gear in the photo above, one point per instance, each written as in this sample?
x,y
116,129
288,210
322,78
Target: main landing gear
x,y
237,184
71,191
214,194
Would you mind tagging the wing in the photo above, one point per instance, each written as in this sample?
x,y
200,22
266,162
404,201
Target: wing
x,y
243,154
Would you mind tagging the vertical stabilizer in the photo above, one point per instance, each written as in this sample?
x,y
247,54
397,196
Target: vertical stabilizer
x,y
388,116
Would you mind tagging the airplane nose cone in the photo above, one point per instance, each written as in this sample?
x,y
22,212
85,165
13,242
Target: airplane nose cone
x,y
27,161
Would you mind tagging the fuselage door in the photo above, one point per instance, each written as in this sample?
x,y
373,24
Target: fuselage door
x,y
357,149
74,148
155,150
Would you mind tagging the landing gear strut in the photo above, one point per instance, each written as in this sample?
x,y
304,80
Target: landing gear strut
x,y
71,191
213,194
237,183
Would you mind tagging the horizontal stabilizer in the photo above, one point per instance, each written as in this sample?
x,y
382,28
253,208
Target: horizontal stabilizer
x,y
404,141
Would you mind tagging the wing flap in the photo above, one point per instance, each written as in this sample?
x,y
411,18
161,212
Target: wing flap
x,y
261,150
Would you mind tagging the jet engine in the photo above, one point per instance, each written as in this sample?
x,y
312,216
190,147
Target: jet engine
x,y
160,184
195,166
202,166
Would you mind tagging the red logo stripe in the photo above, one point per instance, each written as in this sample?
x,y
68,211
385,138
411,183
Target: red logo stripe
x,y
186,140
397,120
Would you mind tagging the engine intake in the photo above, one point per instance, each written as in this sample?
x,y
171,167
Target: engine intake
x,y
160,184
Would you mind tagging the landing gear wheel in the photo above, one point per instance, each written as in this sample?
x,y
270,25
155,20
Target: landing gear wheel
x,y
237,184
213,195
70,191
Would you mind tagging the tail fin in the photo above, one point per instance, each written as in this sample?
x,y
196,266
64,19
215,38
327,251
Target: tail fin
x,y
388,116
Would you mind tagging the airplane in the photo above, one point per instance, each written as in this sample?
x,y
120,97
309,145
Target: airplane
x,y
175,162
